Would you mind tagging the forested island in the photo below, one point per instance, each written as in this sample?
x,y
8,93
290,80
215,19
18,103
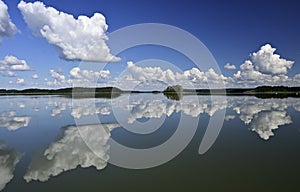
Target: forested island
x,y
173,92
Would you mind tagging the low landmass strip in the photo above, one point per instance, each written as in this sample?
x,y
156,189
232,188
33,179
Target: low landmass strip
x,y
173,92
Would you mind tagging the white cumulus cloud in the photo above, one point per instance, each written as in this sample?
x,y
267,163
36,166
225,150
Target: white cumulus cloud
x,y
136,75
264,68
7,28
229,66
266,61
35,76
20,81
14,64
83,38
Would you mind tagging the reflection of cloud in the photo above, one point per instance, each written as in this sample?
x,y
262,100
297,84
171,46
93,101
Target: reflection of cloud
x,y
8,160
229,117
252,111
12,122
70,151
266,121
21,105
263,115
88,107
57,106
142,106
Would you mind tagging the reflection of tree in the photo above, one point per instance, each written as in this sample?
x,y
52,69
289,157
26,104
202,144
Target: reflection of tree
x,y
8,160
71,151
174,92
173,95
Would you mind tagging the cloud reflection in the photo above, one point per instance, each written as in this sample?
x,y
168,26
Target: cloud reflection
x,y
70,151
264,122
261,115
8,161
9,120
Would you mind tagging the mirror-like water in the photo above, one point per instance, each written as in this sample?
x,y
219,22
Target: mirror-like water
x,y
42,145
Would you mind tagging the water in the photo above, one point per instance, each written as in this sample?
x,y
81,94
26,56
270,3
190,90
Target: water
x,y
46,142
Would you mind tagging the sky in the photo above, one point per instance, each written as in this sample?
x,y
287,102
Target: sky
x,y
53,44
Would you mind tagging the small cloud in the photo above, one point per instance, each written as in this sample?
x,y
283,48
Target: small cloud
x,y
229,66
35,76
11,74
57,75
20,81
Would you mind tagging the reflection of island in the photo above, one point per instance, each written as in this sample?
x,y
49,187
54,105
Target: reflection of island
x,y
9,120
8,161
71,151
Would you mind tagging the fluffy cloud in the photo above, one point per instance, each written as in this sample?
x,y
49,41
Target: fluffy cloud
x,y
78,77
35,76
57,76
83,74
14,64
58,79
229,66
71,151
8,161
266,61
20,81
11,74
77,39
156,78
264,68
7,28
148,76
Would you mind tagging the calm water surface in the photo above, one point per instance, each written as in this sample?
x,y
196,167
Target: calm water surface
x,y
41,148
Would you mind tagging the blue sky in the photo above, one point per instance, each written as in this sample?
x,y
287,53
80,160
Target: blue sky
x,y
231,30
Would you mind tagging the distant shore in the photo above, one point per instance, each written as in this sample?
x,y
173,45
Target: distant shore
x,y
174,92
